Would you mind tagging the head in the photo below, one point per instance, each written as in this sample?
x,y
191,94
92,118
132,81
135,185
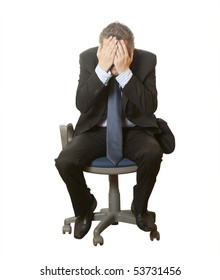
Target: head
x,y
121,32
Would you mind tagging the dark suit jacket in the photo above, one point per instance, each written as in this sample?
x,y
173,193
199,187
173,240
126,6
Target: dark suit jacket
x,y
139,95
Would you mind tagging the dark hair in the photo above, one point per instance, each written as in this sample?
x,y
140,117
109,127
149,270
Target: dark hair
x,y
120,31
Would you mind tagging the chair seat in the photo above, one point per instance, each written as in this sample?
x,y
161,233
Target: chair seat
x,y
105,162
103,165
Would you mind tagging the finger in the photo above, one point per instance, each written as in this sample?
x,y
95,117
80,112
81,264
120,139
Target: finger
x,y
113,52
110,40
112,48
120,51
99,49
109,44
113,42
124,47
106,41
115,61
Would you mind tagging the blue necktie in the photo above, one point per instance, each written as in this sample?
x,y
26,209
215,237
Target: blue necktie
x,y
114,123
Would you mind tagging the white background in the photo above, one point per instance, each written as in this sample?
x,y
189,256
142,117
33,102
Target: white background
x,y
40,46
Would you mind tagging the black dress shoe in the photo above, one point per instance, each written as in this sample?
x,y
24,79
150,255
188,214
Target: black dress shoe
x,y
83,223
145,221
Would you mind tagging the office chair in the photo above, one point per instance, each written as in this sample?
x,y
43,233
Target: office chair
x,y
113,214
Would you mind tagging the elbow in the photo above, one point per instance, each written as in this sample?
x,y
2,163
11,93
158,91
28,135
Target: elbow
x,y
150,107
154,107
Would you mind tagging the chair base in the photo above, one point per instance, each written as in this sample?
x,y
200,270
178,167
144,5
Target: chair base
x,y
106,219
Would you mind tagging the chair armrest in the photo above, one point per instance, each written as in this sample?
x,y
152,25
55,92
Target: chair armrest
x,y
66,133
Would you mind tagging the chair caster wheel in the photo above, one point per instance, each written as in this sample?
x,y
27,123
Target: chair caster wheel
x,y
154,234
98,240
67,228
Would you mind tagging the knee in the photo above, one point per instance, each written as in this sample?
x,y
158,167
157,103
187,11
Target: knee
x,y
152,154
63,163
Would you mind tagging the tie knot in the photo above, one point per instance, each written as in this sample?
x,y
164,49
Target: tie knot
x,y
114,86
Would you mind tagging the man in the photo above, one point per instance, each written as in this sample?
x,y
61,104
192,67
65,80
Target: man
x,y
133,71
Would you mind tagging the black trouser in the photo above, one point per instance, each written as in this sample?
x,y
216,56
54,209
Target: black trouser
x,y
138,145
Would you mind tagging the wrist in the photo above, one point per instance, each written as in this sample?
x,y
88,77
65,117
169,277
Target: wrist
x,y
124,77
102,75
122,70
103,67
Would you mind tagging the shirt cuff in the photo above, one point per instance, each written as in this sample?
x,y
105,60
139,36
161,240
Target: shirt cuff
x,y
124,78
103,76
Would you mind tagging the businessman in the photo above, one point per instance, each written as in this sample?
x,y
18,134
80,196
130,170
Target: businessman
x,y
117,95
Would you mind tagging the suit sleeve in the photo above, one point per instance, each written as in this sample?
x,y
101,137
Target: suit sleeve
x,y
89,85
142,93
